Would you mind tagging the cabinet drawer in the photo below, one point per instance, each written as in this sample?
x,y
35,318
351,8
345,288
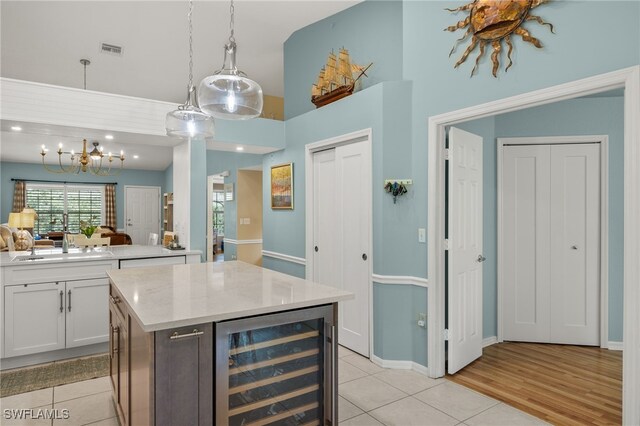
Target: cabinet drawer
x,y
153,261
30,274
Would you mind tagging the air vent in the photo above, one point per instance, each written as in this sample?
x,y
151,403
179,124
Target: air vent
x,y
111,49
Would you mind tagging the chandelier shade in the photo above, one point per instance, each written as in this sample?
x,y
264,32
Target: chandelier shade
x,y
188,121
229,94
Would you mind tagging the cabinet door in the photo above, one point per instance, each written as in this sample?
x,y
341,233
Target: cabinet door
x,y
34,318
123,369
87,312
184,376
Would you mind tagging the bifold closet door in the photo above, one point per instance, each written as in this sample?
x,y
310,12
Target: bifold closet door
x,y
525,242
551,243
575,244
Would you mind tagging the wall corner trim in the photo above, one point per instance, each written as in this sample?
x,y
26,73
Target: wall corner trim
x,y
615,346
488,341
285,257
400,279
400,365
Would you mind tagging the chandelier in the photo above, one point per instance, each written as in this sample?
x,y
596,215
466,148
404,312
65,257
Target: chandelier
x,y
85,161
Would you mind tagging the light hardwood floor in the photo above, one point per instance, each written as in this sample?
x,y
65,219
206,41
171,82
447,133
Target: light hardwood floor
x,y
561,384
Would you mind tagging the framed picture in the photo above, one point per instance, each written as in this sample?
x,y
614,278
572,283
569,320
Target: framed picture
x,y
282,186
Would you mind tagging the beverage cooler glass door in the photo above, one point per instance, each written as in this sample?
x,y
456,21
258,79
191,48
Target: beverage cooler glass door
x,y
277,369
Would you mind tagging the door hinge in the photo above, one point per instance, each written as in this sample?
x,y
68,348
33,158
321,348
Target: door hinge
x,y
447,154
446,244
445,334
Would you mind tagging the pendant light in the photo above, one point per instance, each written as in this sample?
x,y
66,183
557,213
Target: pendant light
x,y
228,93
188,121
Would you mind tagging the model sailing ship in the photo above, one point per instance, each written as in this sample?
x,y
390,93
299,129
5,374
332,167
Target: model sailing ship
x,y
336,79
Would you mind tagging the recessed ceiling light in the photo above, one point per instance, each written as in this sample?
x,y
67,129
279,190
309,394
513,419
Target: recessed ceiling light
x,y
109,137
136,156
239,148
16,128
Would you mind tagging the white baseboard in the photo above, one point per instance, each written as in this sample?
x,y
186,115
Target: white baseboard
x,y
615,346
400,365
488,341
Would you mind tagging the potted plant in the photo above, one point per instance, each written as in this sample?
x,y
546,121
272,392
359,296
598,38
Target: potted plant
x,y
87,228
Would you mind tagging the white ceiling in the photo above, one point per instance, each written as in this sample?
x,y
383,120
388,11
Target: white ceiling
x,y
43,41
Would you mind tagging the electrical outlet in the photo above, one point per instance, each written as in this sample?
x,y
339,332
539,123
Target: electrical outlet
x,y
422,235
422,320
247,221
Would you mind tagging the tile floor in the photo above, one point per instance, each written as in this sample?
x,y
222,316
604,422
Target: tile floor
x,y
368,395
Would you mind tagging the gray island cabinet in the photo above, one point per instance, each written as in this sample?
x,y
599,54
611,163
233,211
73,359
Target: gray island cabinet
x,y
222,344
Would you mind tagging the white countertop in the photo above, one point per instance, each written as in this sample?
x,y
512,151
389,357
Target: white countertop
x,y
181,295
55,255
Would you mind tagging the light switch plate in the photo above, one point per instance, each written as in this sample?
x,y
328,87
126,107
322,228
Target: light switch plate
x,y
422,235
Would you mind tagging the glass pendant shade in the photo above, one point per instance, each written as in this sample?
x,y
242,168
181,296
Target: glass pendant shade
x,y
188,121
229,94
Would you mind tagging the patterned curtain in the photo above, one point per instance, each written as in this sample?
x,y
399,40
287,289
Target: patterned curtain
x,y
110,205
19,196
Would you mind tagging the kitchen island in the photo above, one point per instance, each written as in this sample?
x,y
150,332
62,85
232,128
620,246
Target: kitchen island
x,y
55,305
222,343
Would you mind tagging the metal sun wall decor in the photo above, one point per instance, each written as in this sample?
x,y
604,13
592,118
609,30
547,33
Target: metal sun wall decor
x,y
490,22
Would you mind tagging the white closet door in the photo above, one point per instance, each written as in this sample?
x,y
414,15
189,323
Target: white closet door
x,y
353,163
575,244
341,203
551,244
465,249
325,255
525,242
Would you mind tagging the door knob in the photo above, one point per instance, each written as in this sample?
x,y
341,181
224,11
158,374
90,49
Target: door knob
x,y
574,247
481,258
364,256
316,248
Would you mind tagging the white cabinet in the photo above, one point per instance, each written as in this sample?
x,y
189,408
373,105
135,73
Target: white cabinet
x,y
87,312
37,316
34,318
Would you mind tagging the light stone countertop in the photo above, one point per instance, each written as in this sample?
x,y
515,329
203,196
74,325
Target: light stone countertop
x,y
55,255
166,297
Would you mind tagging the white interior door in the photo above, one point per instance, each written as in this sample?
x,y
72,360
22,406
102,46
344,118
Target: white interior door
x,y
551,243
465,249
342,235
142,212
526,222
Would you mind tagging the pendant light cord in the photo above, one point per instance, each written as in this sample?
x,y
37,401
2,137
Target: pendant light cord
x,y
190,44
232,12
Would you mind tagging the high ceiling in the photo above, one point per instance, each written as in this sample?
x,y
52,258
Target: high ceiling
x,y
43,41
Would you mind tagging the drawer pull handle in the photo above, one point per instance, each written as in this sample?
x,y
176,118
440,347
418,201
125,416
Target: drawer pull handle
x,y
194,333
115,300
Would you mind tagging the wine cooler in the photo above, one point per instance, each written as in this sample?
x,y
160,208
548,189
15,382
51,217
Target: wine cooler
x,y
277,369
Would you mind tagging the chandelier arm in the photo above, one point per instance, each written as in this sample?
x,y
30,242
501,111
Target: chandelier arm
x,y
70,169
50,170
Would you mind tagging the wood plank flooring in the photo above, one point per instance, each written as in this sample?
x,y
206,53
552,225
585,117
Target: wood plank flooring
x,y
563,385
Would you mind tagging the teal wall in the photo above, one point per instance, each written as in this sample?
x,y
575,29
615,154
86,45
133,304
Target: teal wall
x,y
35,171
371,31
398,114
168,179
260,132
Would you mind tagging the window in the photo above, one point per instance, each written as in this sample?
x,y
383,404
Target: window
x,y
50,201
218,212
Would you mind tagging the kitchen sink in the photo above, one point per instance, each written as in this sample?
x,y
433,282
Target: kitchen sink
x,y
56,254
